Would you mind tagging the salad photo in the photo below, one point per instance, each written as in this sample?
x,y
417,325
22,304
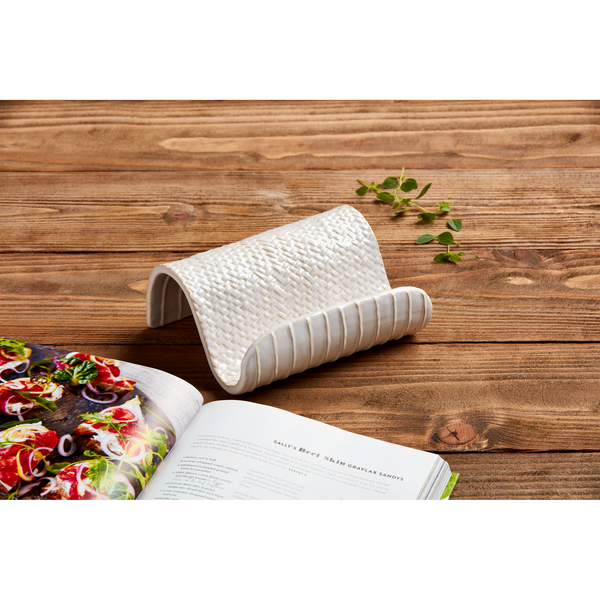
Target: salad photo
x,y
73,428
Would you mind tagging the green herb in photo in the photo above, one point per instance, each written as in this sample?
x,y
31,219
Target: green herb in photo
x,y
13,347
38,400
78,372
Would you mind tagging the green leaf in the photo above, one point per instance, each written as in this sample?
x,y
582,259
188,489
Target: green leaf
x,y
13,347
423,191
445,238
455,224
409,185
92,454
450,486
54,468
106,421
385,197
440,257
153,437
425,238
40,364
390,183
445,206
10,424
361,191
38,400
142,479
427,216
82,372
162,450
120,491
461,253
71,360
150,469
453,257
101,473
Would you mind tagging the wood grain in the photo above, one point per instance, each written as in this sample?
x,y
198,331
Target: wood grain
x,y
535,209
505,296
113,136
532,397
522,476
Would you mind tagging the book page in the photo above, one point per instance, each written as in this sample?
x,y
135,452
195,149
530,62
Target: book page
x,y
179,400
240,450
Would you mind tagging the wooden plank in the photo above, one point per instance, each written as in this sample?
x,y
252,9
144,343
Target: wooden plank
x,y
518,296
535,209
527,397
518,476
111,136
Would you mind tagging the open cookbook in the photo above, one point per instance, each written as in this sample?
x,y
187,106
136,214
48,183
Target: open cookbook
x,y
76,426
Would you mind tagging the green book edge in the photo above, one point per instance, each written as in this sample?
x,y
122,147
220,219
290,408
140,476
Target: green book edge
x,y
450,486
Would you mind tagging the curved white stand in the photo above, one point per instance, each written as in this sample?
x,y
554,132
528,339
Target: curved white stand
x,y
288,299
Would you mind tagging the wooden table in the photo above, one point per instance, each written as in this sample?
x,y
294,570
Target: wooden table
x,y
504,380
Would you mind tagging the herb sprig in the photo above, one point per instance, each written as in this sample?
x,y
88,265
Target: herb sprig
x,y
38,400
101,473
106,422
388,193
446,239
401,184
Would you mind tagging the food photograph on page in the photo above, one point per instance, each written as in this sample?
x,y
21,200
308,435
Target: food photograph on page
x,y
73,427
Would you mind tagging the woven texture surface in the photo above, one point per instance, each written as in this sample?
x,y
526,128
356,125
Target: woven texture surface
x,y
241,290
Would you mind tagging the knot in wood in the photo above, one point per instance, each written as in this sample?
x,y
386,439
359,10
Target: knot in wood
x,y
455,434
179,213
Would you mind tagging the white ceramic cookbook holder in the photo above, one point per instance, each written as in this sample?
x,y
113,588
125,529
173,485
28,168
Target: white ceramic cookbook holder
x,y
288,299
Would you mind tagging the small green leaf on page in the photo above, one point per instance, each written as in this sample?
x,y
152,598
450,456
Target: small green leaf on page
x,y
390,183
450,487
361,191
